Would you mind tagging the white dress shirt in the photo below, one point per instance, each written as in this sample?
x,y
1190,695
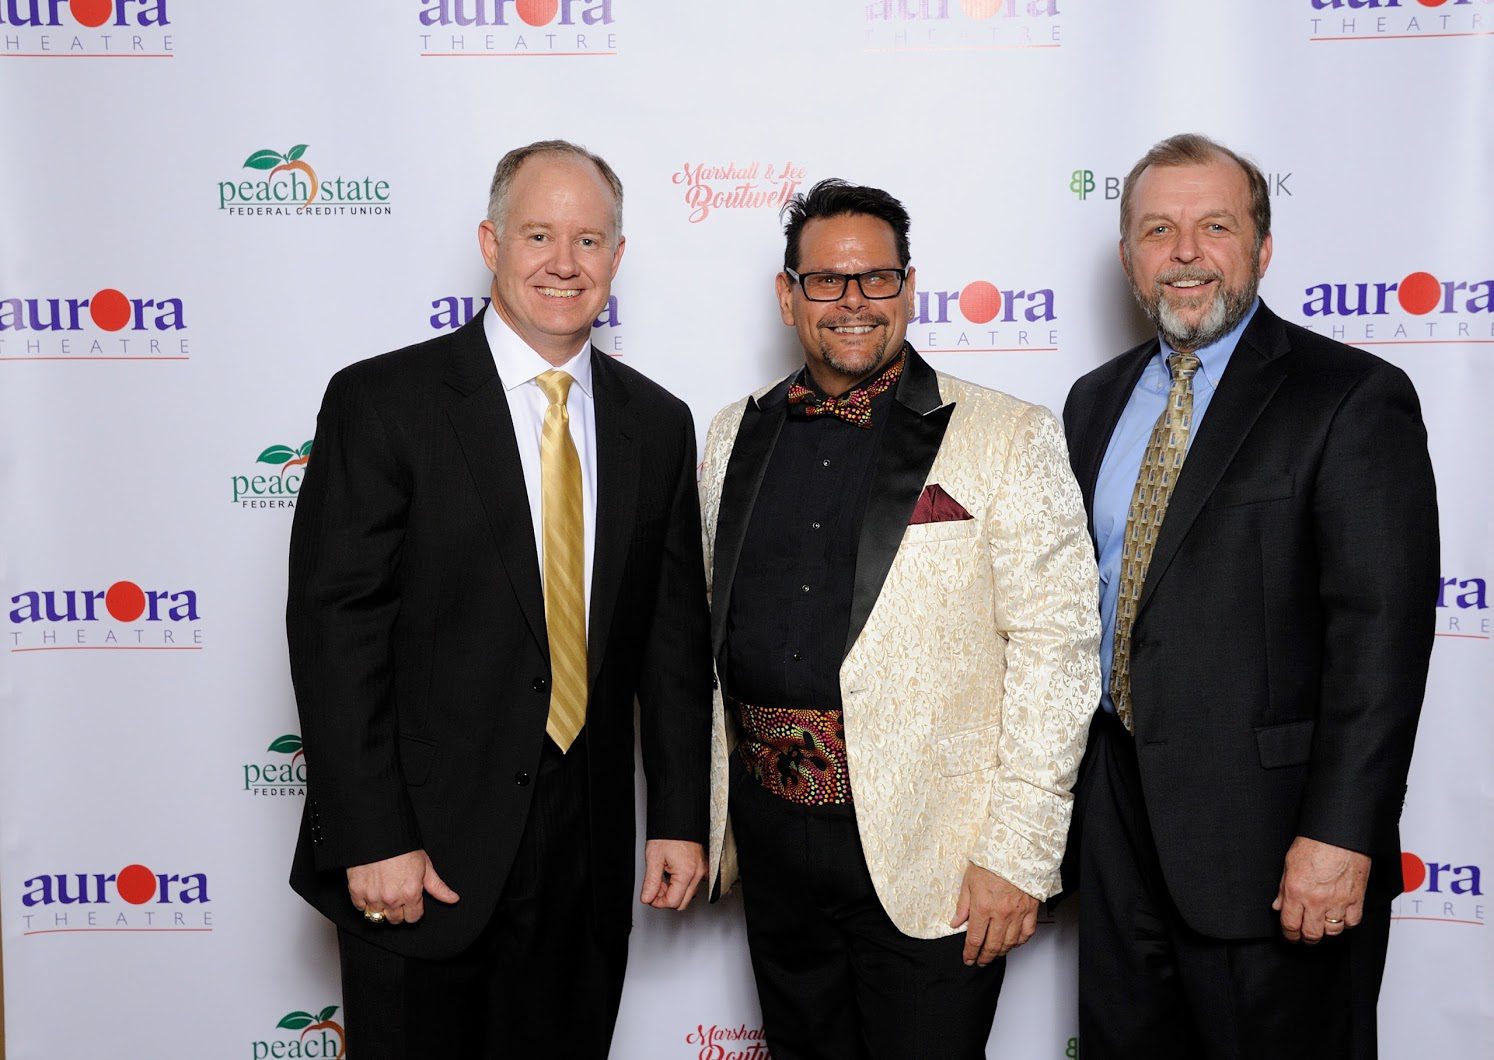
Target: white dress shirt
x,y
518,365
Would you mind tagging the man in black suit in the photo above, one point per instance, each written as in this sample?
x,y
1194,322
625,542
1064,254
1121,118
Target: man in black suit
x,y
1267,606
496,548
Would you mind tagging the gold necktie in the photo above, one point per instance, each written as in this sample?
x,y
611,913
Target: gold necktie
x,y
565,563
1160,467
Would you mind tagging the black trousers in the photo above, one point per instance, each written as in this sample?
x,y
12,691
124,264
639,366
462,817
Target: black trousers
x,y
835,977
541,980
1150,986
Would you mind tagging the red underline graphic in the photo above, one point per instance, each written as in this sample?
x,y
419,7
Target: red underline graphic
x,y
507,55
87,55
95,358
1465,636
112,647
894,49
1411,36
1441,920
71,931
993,349
1425,342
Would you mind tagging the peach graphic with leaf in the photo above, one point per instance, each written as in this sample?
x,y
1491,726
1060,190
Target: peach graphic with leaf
x,y
286,457
305,1022
289,744
276,162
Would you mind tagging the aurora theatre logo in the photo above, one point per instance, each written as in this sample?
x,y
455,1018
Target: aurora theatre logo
x,y
85,29
960,25
120,617
134,898
108,325
292,187
500,29
451,311
1441,891
1420,308
982,317
1380,20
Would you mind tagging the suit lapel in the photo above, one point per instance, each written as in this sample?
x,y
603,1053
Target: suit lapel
x,y
478,412
762,420
914,432
1255,371
1110,401
617,498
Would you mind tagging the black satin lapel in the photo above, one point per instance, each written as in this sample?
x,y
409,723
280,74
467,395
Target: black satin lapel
x,y
485,431
1103,417
756,436
617,502
905,455
1247,386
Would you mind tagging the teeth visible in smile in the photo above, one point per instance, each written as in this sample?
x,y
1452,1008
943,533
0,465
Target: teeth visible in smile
x,y
859,329
1189,283
556,292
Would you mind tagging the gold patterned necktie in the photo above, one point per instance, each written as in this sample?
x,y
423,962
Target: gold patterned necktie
x,y
1160,467
565,563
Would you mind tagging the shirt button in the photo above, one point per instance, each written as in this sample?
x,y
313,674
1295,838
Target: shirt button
x,y
824,463
814,526
796,656
804,588
539,684
521,778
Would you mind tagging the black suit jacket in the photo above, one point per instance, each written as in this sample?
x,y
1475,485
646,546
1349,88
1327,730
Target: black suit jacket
x,y
1281,645
417,634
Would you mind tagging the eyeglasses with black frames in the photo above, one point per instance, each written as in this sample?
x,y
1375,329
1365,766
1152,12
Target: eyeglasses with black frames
x,y
831,286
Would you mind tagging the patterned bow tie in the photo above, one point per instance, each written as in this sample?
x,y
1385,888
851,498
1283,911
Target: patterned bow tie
x,y
854,406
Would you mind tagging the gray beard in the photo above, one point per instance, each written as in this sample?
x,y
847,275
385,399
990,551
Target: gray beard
x,y
1227,310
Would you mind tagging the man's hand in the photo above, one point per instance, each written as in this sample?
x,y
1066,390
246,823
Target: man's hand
x,y
397,887
1001,916
672,869
1322,890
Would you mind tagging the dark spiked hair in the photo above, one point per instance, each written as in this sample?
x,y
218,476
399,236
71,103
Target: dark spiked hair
x,y
834,197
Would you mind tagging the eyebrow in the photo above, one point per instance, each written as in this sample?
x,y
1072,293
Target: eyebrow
x,y
1148,218
533,226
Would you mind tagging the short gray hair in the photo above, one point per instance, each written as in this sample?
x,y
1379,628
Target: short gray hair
x,y
1191,149
508,168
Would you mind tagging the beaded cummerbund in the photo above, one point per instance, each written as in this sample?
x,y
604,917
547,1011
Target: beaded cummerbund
x,y
797,754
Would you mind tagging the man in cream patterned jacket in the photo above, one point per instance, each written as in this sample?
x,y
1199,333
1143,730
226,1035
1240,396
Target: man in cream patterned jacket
x,y
905,634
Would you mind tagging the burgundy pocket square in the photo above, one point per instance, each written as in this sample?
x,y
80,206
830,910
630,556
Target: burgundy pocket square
x,y
936,506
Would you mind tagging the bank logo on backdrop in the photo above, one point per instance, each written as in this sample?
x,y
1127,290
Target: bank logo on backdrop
x,y
275,480
121,616
515,29
319,1036
1419,308
1087,185
984,317
285,184
451,311
713,1041
133,898
709,188
1463,608
960,25
1379,20
281,770
107,325
85,29
1440,890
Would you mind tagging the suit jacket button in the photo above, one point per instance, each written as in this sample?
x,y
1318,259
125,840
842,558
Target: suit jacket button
x,y
539,684
521,778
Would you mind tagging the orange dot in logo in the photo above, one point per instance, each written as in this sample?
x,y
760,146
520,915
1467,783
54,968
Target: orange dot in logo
x,y
1419,293
1413,871
110,309
980,8
1432,3
980,302
537,12
136,884
91,13
125,601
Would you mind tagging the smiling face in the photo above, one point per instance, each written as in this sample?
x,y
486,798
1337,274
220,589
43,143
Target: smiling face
x,y
555,255
853,336
1190,251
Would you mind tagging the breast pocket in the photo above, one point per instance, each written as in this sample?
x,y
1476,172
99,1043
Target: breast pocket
x,y
1253,491
948,530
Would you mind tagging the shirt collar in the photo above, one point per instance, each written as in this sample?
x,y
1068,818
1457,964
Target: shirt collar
x,y
1214,357
519,364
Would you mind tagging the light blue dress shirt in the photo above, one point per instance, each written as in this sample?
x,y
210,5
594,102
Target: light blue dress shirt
x,y
1122,463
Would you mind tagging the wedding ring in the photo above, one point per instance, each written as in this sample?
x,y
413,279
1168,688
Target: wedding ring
x,y
1333,920
373,916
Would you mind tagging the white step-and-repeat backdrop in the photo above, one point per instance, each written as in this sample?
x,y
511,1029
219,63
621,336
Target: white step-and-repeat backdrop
x,y
207,208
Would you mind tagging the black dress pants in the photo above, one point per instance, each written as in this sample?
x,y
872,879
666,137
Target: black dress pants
x,y
1150,986
541,980
836,979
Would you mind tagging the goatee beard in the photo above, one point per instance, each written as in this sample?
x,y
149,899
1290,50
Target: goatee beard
x,y
832,357
1227,309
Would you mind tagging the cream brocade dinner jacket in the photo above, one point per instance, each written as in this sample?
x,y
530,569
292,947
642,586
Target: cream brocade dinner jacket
x,y
968,692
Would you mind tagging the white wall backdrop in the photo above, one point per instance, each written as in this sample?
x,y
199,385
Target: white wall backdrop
x,y
169,315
